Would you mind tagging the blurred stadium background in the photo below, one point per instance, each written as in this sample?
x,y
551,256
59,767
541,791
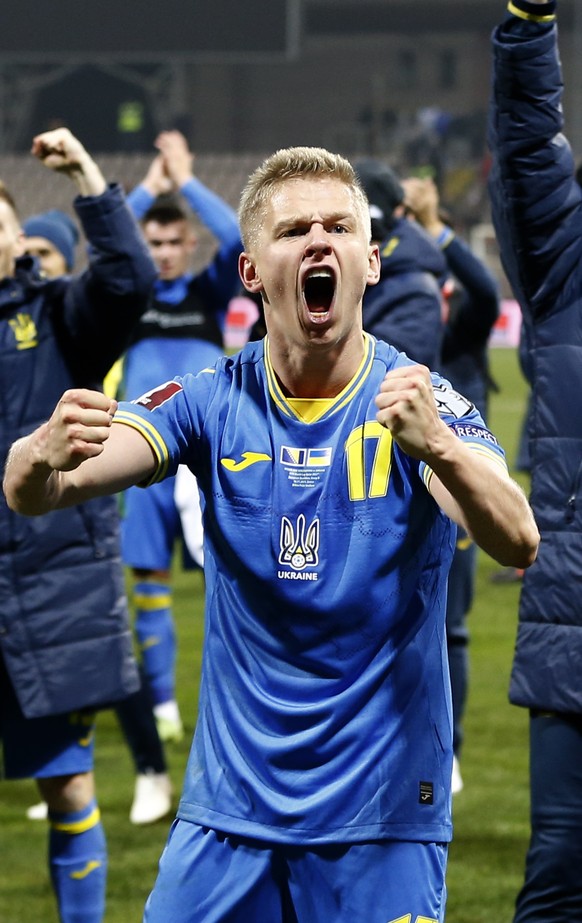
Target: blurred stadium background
x,y
406,80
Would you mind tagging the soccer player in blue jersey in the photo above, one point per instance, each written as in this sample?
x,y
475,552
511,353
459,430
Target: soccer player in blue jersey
x,y
181,331
332,471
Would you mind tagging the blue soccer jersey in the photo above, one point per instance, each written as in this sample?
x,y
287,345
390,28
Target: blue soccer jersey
x,y
324,703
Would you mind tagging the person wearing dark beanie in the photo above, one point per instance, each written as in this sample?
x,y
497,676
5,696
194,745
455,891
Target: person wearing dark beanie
x,y
51,237
384,193
405,308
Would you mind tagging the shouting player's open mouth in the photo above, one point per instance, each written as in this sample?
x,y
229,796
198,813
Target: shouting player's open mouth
x,y
318,293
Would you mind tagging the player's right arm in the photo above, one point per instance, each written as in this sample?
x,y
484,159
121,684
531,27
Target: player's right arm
x,y
76,455
470,487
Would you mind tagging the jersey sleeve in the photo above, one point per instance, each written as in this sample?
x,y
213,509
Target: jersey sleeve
x,y
139,200
466,422
170,418
213,211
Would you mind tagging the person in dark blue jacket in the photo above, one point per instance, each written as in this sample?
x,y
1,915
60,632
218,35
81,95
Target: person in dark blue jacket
x,y
65,639
537,212
52,237
473,308
405,308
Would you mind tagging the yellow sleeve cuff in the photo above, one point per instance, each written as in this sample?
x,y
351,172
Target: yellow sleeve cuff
x,y
531,17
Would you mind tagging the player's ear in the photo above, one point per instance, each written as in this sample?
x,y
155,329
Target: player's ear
x,y
249,274
20,246
373,265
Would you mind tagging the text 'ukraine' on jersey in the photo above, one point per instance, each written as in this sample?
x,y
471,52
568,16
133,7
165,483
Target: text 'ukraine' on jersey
x,y
324,703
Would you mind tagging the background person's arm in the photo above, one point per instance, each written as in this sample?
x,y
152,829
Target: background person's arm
x,y
61,151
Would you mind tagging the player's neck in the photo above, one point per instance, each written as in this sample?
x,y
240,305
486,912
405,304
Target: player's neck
x,y
317,373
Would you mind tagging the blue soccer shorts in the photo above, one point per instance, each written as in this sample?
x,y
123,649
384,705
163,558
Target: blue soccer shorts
x,y
210,877
42,748
150,525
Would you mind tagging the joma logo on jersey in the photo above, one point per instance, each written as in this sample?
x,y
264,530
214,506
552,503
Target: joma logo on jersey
x,y
305,458
299,546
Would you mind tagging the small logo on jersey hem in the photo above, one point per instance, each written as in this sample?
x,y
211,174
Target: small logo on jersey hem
x,y
425,793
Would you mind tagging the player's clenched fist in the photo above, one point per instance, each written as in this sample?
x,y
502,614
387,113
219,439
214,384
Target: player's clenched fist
x,y
77,429
406,406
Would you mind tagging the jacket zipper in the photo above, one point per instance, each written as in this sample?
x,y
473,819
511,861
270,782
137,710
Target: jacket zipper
x,y
571,503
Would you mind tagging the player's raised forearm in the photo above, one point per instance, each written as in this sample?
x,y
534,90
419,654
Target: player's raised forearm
x,y
477,493
30,483
473,490
34,480
76,455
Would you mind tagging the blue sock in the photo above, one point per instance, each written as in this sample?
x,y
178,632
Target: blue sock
x,y
78,864
154,627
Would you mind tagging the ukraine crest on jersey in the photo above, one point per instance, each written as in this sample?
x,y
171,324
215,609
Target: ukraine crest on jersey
x,y
324,705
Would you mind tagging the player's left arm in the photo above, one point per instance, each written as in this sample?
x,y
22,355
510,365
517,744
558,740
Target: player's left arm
x,y
471,487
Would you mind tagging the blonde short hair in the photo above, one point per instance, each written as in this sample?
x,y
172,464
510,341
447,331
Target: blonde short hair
x,y
292,163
